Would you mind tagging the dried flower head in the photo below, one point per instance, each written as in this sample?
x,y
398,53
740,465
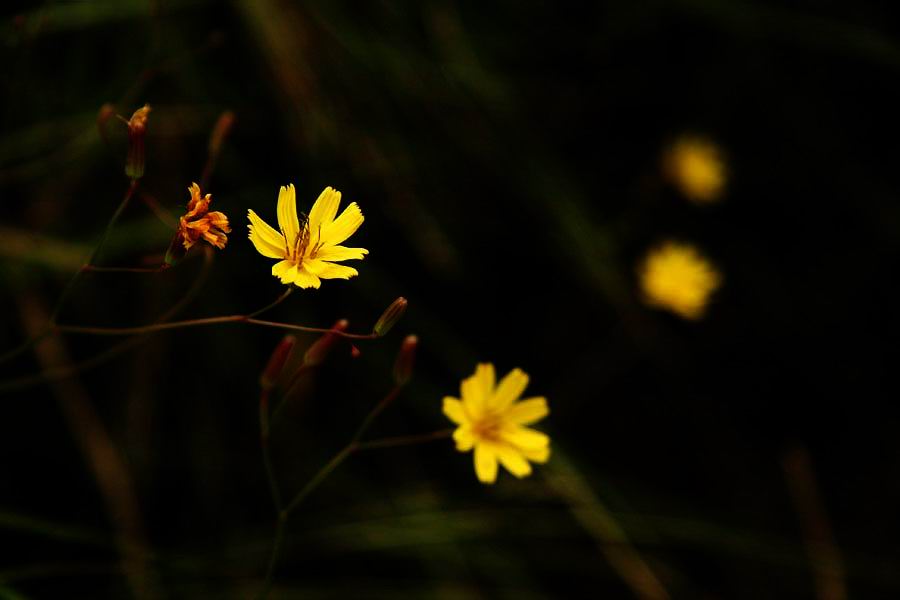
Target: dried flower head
x,y
676,277
199,222
697,168
492,420
308,249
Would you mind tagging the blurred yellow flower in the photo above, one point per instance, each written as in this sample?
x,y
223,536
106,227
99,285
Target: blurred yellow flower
x,y
307,250
696,167
492,420
198,222
676,277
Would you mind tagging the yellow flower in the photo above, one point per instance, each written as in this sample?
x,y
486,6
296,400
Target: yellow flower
x,y
200,223
307,250
676,277
696,167
492,420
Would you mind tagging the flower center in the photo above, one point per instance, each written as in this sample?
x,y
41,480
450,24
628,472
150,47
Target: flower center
x,y
301,244
487,428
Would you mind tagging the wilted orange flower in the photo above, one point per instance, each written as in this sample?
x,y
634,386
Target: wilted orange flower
x,y
491,419
200,223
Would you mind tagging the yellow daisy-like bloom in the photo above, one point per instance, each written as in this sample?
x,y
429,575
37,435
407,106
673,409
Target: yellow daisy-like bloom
x,y
676,277
696,167
492,420
307,250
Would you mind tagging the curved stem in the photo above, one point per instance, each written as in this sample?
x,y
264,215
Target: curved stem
x,y
93,269
376,410
405,440
60,302
324,472
80,329
67,291
273,558
266,454
272,304
110,353
292,385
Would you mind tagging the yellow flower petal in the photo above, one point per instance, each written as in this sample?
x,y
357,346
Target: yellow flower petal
x,y
472,394
512,460
509,390
464,438
498,434
266,240
538,455
304,279
283,270
287,214
527,411
339,253
454,410
342,227
486,378
525,438
485,464
323,211
327,270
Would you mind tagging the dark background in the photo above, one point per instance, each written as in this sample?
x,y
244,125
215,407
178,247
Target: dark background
x,y
507,159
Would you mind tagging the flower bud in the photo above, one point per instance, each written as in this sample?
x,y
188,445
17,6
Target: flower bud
x,y
276,362
406,358
137,129
390,317
176,251
321,348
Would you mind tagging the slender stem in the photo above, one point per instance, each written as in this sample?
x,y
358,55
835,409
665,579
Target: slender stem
x,y
93,269
207,321
377,410
273,558
285,513
161,213
334,463
70,286
26,345
295,381
60,302
110,353
273,304
404,440
266,454
337,332
317,479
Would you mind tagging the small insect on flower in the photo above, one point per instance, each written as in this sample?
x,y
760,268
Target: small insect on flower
x,y
676,277
200,223
491,419
697,168
308,248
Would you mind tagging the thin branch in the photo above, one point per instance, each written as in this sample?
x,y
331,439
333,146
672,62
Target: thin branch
x,y
93,269
404,440
62,372
153,327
